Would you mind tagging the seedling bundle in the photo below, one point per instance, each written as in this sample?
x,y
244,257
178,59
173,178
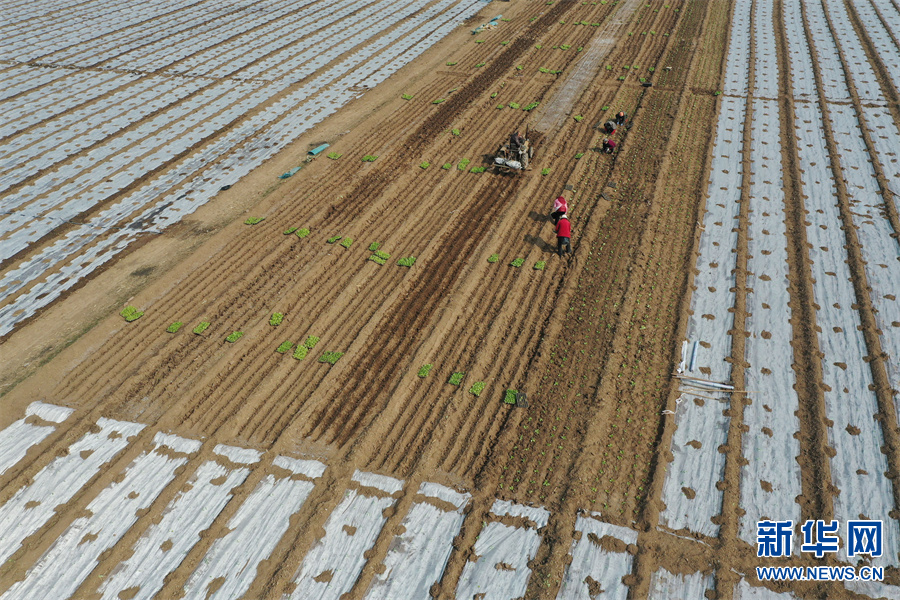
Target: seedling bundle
x,y
517,262
276,319
457,378
477,388
407,262
174,327
235,336
424,369
346,242
493,258
285,346
203,326
330,357
302,233
130,313
254,220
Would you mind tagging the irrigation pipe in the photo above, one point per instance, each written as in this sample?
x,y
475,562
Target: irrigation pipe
x,y
708,383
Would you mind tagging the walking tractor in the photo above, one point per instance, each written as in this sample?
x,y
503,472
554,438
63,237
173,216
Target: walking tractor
x,y
514,155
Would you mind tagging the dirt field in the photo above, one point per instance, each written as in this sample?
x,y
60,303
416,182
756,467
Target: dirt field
x,y
593,338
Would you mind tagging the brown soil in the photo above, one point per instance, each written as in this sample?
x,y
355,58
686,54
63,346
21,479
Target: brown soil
x,y
592,339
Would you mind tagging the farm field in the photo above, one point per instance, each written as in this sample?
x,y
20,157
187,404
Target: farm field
x,y
228,370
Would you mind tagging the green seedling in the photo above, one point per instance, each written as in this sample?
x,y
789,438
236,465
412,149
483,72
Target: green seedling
x,y
545,171
510,396
235,336
424,369
506,20
290,230
717,93
477,388
334,155
539,265
301,352
302,233
254,220
447,166
130,313
374,246
454,131
578,118
451,64
621,78
513,105
333,239
346,242
501,106
438,101
201,327
519,67
284,347
579,155
477,170
382,254
579,49
370,158
456,378
604,108
276,319
479,41
517,262
538,47
504,43
479,65
543,69
425,165
532,106
493,258
463,164
565,46
330,357
562,22
311,342
377,259
407,262
406,97
174,327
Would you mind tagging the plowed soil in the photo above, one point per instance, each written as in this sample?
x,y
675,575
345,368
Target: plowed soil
x,y
592,338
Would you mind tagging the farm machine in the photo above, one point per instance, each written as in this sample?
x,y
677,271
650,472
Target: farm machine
x,y
514,155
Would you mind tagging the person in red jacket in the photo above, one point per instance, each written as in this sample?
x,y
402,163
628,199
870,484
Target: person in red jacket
x,y
563,233
559,208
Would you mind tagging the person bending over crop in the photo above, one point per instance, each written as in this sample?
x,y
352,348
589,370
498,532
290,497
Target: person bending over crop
x,y
609,146
563,234
559,208
620,118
